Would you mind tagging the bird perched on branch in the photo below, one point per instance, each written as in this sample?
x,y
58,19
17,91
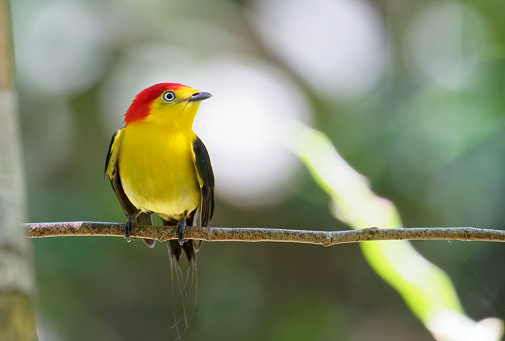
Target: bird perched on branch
x,y
156,164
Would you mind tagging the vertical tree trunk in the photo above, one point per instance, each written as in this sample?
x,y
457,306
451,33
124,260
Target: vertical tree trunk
x,y
17,320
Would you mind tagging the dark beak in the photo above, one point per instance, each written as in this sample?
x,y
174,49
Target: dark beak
x,y
199,96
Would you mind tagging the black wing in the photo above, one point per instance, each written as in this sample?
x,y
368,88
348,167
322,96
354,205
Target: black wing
x,y
206,179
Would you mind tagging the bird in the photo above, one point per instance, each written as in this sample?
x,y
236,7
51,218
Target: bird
x,y
156,164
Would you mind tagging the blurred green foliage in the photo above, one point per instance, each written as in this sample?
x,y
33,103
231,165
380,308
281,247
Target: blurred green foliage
x,y
420,115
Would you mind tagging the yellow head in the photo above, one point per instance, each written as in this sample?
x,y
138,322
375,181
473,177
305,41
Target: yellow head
x,y
170,105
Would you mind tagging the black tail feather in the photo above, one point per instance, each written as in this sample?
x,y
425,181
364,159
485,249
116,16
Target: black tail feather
x,y
184,281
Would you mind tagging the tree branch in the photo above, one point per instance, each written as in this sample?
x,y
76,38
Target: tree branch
x,y
250,234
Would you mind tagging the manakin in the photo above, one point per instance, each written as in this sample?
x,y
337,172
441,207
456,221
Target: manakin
x,y
156,164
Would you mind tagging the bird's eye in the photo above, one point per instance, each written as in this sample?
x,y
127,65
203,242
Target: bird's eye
x,y
168,96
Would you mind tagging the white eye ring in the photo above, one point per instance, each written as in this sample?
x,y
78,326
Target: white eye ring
x,y
168,96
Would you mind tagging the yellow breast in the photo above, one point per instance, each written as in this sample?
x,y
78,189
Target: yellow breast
x,y
157,170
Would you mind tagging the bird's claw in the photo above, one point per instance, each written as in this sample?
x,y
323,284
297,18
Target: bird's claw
x,y
179,230
128,228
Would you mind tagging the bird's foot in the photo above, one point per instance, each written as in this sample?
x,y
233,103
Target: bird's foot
x,y
128,227
179,230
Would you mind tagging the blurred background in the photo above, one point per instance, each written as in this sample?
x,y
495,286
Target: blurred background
x,y
412,94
